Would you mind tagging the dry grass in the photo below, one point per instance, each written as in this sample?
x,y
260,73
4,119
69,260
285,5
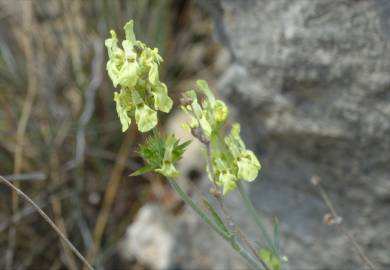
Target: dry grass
x,y
60,139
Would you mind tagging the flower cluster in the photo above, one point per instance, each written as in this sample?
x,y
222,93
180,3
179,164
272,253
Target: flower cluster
x,y
210,115
230,160
134,68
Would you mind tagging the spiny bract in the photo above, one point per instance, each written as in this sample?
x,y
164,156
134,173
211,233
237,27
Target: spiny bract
x,y
160,152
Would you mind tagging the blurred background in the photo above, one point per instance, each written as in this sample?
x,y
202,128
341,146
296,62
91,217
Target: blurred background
x,y
60,137
308,80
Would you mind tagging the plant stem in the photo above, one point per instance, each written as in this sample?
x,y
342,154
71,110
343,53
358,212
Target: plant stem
x,y
48,220
253,213
187,199
237,232
197,209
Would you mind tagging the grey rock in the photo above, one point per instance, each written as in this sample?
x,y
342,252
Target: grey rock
x,y
150,238
311,84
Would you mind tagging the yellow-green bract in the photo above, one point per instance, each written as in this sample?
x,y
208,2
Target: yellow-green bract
x,y
160,152
134,68
210,115
269,259
230,160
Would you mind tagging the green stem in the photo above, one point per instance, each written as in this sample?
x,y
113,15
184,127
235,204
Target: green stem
x,y
231,239
197,209
253,213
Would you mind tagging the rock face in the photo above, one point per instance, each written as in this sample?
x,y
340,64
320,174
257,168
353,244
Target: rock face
x,y
150,239
311,83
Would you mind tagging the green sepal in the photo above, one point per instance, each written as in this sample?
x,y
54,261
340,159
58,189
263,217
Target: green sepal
x,y
270,260
127,76
228,181
145,117
123,107
247,163
221,111
116,58
130,53
153,73
129,31
168,170
248,166
203,85
205,125
162,101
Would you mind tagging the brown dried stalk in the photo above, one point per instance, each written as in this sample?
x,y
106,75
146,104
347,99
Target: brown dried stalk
x,y
47,219
334,218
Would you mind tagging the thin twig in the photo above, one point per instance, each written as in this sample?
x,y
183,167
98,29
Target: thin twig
x,y
89,106
237,231
54,165
336,219
57,210
47,219
32,176
28,210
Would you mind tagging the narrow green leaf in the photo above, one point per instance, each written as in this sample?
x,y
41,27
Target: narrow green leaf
x,y
218,220
143,170
179,149
276,234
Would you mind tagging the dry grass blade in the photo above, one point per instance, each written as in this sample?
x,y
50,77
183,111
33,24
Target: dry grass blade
x,y
336,219
32,90
109,196
90,94
57,210
48,220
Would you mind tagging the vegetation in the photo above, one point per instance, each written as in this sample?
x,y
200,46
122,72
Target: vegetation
x,y
134,68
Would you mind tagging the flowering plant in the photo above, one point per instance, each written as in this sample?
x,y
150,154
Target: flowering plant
x,y
134,68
